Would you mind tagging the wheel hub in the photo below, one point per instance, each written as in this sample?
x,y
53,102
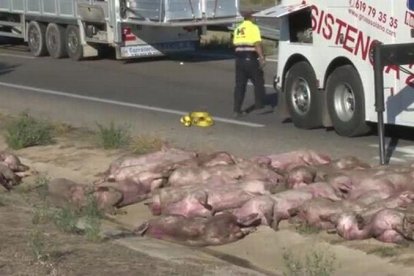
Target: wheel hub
x,y
344,102
301,96
73,42
34,39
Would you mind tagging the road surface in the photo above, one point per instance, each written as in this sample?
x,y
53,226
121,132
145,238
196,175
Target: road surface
x,y
149,96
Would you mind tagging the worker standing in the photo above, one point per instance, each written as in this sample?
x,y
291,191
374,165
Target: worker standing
x,y
250,60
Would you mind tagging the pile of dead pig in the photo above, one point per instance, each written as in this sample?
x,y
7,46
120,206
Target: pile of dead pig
x,y
211,199
11,170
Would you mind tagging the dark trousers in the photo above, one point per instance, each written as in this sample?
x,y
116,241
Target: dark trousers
x,y
248,68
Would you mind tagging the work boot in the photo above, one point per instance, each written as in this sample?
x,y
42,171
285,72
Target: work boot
x,y
264,110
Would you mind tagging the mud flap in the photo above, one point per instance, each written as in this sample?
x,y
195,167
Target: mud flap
x,y
281,110
89,51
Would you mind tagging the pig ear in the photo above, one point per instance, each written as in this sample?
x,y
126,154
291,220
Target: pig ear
x,y
249,220
140,230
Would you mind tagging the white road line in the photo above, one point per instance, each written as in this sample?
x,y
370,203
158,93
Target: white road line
x,y
272,60
138,106
16,56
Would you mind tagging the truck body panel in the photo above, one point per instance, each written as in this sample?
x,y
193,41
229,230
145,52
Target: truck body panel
x,y
135,28
345,32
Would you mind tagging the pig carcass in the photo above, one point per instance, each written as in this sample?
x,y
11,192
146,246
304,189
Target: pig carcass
x,y
289,160
305,174
62,191
131,192
8,178
386,225
205,201
274,208
316,211
361,184
153,175
383,220
147,167
12,162
233,173
197,231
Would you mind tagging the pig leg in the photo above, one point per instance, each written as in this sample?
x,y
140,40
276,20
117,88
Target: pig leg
x,y
227,228
140,230
262,206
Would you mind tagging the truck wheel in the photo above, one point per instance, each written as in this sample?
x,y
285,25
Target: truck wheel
x,y
55,40
302,99
346,102
36,38
74,47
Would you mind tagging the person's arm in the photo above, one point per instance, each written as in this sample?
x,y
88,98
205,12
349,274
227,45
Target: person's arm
x,y
259,49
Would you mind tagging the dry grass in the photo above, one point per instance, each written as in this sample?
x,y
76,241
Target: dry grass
x,y
145,144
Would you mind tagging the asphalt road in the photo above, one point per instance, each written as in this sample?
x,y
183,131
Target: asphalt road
x,y
149,96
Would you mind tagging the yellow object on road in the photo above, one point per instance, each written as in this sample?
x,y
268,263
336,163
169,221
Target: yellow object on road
x,y
201,119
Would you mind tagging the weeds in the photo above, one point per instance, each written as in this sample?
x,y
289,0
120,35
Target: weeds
x,y
145,144
113,137
93,229
41,214
306,229
2,201
37,245
316,263
294,266
384,251
93,217
66,220
26,131
40,184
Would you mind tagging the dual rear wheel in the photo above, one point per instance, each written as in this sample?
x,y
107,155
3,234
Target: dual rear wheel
x,y
56,40
344,99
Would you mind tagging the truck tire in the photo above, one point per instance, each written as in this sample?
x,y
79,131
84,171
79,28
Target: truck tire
x,y
302,99
36,38
56,40
74,47
346,102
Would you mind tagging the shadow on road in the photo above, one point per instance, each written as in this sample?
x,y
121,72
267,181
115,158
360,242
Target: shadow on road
x,y
17,45
394,134
5,68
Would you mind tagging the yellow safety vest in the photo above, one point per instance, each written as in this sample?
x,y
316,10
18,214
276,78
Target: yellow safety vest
x,y
246,34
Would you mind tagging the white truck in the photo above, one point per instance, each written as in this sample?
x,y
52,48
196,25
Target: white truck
x,y
135,28
325,71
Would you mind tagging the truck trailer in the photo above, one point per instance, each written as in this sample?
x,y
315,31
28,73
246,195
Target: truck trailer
x,y
135,28
325,71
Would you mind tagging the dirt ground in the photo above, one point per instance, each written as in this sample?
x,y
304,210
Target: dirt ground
x,y
76,156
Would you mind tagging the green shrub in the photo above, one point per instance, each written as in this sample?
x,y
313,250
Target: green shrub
x,y
317,263
66,220
40,184
26,131
37,245
385,251
93,217
113,137
41,214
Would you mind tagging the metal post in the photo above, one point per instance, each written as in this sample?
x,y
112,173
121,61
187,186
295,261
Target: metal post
x,y
379,98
